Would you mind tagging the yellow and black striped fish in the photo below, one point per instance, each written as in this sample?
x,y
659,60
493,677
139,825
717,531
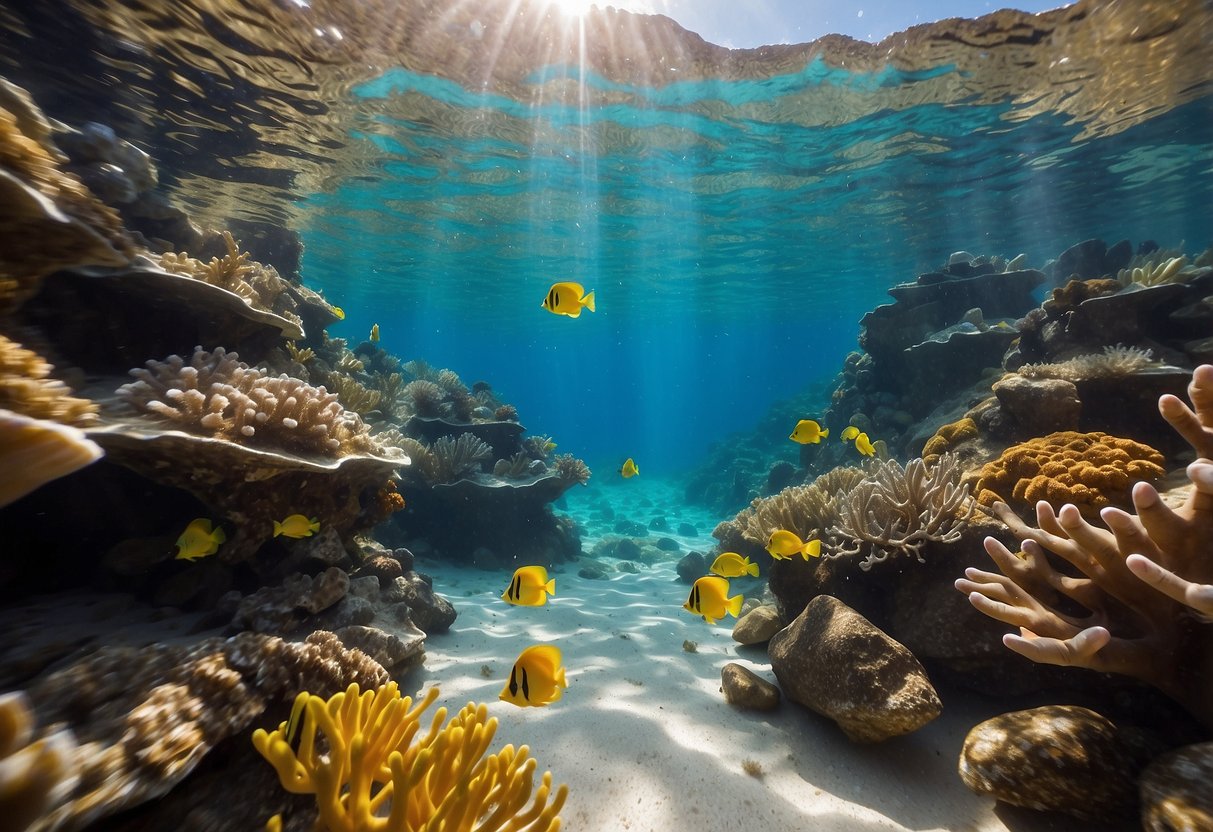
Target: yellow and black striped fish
x,y
529,587
568,299
537,677
709,598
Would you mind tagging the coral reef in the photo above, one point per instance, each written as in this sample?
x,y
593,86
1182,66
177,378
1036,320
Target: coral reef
x,y
948,436
1144,589
36,776
570,469
898,510
379,771
807,510
453,458
217,394
36,451
1090,470
27,387
145,717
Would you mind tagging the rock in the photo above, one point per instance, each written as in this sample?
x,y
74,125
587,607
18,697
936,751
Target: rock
x,y
1059,758
1082,260
780,476
757,626
430,611
280,609
381,567
668,544
405,558
366,587
687,530
659,524
627,566
623,548
593,570
349,611
389,649
834,661
630,528
1175,790
1039,406
746,689
691,567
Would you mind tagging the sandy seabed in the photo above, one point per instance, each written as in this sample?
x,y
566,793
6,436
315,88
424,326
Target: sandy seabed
x,y
644,738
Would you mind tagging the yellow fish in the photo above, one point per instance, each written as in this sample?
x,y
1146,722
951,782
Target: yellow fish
x,y
709,598
849,432
567,299
297,526
529,587
536,678
549,446
374,333
629,469
199,540
339,312
864,445
808,432
733,565
784,544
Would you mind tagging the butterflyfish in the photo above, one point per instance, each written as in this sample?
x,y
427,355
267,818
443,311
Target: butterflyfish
x,y
297,526
537,677
530,587
568,299
849,433
629,469
808,432
784,544
733,565
199,540
864,445
374,333
339,312
709,598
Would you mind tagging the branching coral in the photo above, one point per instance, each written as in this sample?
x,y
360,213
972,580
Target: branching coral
x,y
217,394
258,284
896,510
453,458
570,469
1145,584
1090,470
352,395
538,447
808,510
26,387
517,466
427,397
381,773
1113,361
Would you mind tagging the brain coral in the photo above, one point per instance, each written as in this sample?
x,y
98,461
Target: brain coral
x,y
1090,470
948,436
217,394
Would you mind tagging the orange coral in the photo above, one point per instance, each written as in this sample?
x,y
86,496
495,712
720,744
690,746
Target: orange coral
x,y
1090,470
946,437
1076,291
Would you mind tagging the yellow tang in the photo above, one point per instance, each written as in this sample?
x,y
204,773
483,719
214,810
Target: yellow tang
x,y
297,526
529,587
849,432
536,678
339,312
733,565
709,598
199,540
864,445
567,299
374,333
808,432
784,544
629,469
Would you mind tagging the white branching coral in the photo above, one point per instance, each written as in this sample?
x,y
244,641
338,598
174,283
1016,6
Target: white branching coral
x,y
1113,361
455,458
216,393
896,510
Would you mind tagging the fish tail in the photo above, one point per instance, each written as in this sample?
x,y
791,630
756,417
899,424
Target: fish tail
x,y
277,528
733,605
218,535
315,524
752,569
811,549
550,587
588,301
825,432
560,680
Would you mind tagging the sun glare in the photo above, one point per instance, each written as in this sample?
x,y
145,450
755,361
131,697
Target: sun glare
x,y
573,8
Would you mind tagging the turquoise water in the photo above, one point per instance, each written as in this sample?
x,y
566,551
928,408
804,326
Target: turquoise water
x,y
732,250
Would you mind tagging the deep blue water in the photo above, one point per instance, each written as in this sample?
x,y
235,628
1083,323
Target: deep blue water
x,y
732,255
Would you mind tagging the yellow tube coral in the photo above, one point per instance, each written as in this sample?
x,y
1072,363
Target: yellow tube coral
x,y
375,778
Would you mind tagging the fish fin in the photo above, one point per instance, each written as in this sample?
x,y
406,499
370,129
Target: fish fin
x,y
812,549
315,524
550,587
277,528
752,569
588,301
709,619
825,432
576,313
733,605
218,535
560,680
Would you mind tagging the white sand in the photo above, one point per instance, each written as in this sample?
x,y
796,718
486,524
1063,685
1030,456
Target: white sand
x,y
644,738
